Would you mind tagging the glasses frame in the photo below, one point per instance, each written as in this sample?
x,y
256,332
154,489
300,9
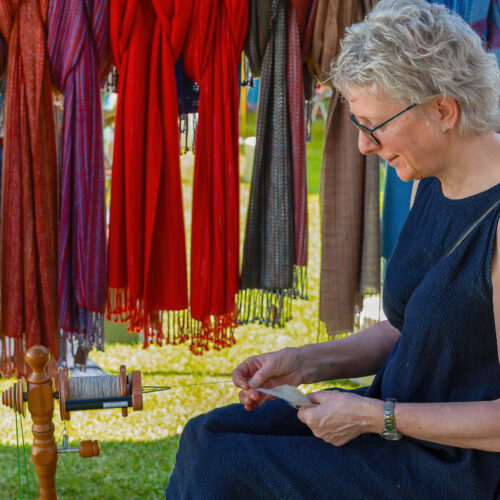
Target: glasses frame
x,y
369,131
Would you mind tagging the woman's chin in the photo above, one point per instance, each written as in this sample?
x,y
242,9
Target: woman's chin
x,y
405,174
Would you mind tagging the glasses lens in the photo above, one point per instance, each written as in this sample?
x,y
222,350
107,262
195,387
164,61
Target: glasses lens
x,y
370,136
366,132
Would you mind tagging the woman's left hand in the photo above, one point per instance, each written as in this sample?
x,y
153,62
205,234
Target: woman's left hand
x,y
338,417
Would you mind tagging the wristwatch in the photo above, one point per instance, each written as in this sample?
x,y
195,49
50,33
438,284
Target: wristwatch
x,y
390,432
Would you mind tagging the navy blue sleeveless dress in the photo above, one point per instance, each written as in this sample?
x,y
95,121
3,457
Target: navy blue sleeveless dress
x,y
447,352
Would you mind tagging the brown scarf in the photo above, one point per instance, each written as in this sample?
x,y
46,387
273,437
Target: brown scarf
x,y
350,224
29,189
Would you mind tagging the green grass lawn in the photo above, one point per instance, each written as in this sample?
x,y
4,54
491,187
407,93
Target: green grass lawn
x,y
138,452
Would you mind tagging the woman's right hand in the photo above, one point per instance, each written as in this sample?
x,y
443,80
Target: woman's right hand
x,y
267,370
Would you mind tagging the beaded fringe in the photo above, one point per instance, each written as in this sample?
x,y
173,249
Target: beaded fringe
x,y
172,327
272,307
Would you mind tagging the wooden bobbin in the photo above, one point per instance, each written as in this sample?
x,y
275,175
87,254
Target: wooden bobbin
x,y
129,385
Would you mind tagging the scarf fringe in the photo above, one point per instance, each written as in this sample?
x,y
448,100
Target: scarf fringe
x,y
12,357
214,331
272,307
82,342
172,327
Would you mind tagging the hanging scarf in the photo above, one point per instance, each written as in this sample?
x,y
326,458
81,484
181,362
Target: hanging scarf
x,y
29,189
350,217
213,49
78,50
275,249
147,259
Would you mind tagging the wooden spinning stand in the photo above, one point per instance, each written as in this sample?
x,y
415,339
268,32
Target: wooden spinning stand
x,y
80,393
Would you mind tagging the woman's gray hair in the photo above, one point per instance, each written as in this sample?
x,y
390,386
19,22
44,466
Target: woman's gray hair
x,y
415,51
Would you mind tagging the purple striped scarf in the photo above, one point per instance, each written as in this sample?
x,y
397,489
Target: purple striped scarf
x,y
78,49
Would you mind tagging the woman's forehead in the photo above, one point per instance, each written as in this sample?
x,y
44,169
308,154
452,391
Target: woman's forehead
x,y
370,104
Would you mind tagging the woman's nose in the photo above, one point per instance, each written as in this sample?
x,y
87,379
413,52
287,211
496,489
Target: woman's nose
x,y
365,144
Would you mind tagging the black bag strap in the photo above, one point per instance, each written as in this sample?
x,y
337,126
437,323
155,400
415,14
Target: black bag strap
x,y
471,228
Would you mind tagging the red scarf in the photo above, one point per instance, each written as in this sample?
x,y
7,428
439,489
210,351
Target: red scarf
x,y
29,189
147,260
213,50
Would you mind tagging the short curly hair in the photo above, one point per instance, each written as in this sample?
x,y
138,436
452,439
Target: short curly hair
x,y
416,51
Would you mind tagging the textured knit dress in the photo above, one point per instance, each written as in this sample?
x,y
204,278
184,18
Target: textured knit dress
x,y
442,304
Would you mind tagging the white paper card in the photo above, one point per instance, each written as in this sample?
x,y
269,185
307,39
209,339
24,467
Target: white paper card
x,y
290,394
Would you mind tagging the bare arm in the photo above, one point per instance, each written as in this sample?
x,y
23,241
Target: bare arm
x,y
357,355
474,424
468,425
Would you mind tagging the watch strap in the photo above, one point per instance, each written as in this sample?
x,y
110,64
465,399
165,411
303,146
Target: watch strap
x,y
390,432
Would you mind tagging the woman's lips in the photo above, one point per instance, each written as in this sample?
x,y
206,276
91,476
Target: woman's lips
x,y
391,160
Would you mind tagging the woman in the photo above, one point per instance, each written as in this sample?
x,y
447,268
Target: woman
x,y
424,96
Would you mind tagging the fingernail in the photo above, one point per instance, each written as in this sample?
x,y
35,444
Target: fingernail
x,y
251,382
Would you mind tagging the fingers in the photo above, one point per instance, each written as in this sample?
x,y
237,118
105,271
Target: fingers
x,y
250,375
239,380
261,376
304,414
251,399
243,372
323,396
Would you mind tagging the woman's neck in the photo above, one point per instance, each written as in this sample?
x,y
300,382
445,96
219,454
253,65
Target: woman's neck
x,y
472,166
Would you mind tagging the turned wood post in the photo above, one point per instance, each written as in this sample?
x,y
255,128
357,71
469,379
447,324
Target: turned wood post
x,y
41,407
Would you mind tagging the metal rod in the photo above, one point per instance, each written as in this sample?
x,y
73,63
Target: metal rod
x,y
155,388
68,450
99,403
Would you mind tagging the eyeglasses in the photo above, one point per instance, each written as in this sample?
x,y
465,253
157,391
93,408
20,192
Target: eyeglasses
x,y
369,131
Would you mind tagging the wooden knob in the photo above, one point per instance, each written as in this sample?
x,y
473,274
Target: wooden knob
x,y
37,357
89,449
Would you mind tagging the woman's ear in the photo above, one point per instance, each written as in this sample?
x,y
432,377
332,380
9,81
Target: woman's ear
x,y
447,110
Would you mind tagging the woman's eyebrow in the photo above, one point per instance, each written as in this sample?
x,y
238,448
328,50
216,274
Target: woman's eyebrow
x,y
364,118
